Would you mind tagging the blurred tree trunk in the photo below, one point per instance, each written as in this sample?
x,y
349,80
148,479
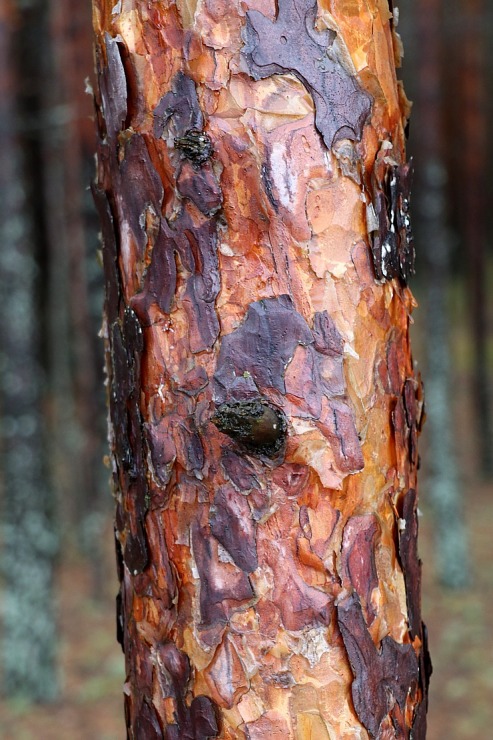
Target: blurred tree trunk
x,y
76,354
29,539
474,209
254,200
450,538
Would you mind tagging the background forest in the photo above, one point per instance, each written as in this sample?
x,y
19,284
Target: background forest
x,y
58,579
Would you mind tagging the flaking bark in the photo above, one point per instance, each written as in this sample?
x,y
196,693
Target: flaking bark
x,y
254,199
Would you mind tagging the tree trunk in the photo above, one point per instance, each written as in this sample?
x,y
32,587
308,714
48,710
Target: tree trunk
x,y
474,210
75,351
254,200
29,537
450,538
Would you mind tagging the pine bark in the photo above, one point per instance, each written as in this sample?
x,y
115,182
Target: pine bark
x,y
254,198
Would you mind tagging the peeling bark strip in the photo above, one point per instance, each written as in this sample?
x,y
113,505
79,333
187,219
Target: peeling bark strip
x,y
264,411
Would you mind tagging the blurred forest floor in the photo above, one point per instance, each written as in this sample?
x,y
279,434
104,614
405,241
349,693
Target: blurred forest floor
x,y
459,623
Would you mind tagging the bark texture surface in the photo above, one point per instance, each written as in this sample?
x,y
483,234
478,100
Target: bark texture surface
x,y
254,198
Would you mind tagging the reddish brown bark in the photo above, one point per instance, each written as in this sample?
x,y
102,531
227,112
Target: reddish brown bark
x,y
254,198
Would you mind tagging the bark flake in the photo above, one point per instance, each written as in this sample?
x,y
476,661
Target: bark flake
x,y
292,44
383,677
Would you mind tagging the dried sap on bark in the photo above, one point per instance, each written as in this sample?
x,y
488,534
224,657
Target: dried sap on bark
x,y
274,355
392,238
255,425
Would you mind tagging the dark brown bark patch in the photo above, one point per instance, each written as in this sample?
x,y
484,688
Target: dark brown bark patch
x,y
121,391
201,187
255,355
326,337
126,344
180,107
112,86
159,578
147,726
232,525
173,673
162,451
140,188
199,720
382,677
124,401
419,723
239,470
120,620
195,243
413,406
425,671
160,277
110,255
198,253
189,449
299,604
173,677
222,585
346,441
203,717
358,558
136,553
392,242
292,44
410,562
401,433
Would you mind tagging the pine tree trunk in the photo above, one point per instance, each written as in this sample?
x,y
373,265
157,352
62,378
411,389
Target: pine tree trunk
x,y
75,349
450,540
254,200
29,537
474,210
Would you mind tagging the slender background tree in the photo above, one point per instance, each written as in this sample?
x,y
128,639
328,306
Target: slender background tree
x,y
29,535
435,236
